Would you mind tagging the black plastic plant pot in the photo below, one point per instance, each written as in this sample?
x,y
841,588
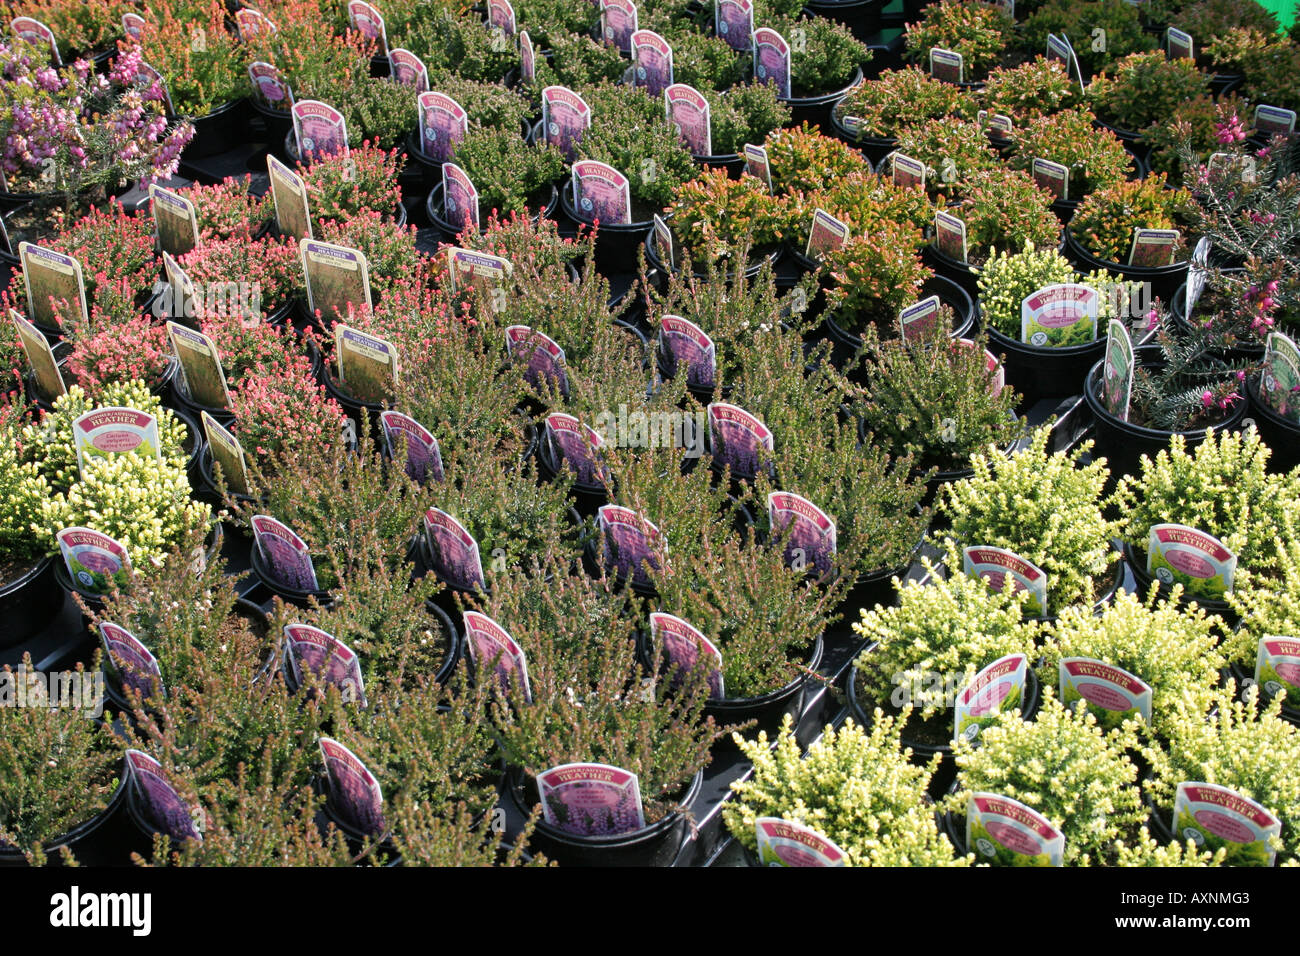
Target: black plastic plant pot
x,y
1245,678
616,243
536,210
96,601
872,590
107,839
1064,208
587,498
862,17
294,596
733,163
753,268
767,709
1128,136
845,344
816,110
1221,84
29,602
1038,373
655,845
421,558
223,129
430,169
1161,281
1143,581
874,148
1280,434
1178,312
380,66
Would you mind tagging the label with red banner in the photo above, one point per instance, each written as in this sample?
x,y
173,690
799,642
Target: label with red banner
x,y
733,20
443,124
772,60
252,23
527,58
423,456
688,113
37,33
95,562
157,801
1177,554
1060,315
601,193
995,565
308,649
993,364
781,843
808,532
997,688
578,446
738,438
355,794
490,645
591,799
102,432
408,69
682,343
565,116
652,62
286,553
1111,693
1004,832
134,25
545,358
453,552
131,662
319,129
617,23
630,543
369,22
1277,668
1215,817
268,84
459,197
682,645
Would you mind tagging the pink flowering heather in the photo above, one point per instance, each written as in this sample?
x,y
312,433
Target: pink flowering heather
x,y
247,278
281,409
247,346
389,248
107,350
227,210
340,186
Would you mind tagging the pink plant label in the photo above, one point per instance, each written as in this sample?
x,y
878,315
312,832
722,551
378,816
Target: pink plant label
x,y
733,20
757,165
565,116
618,21
268,84
252,24
1177,554
918,321
459,198
591,799
1279,383
1061,314
683,344
423,456
1153,248
95,562
577,446
998,687
631,543
134,25
1179,44
1277,668
998,565
1052,177
950,236
54,286
287,555
1274,121
38,34
688,113
133,663
527,58
772,60
157,801
1111,693
1004,832
501,16
453,552
1117,374
174,219
289,194
738,438
103,432
682,646
320,129
200,362
490,645
408,69
368,21
782,843
338,279
355,794
652,62
227,453
947,65
808,533
45,367
825,234
908,171
308,649
998,374
1213,816
542,357
663,239
443,124
601,194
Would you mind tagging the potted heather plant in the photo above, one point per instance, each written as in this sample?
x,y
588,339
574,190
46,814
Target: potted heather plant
x,y
721,222
826,61
262,278
1093,158
227,209
1180,144
1264,60
803,160
979,33
576,61
707,62
455,44
1267,605
1119,21
487,106
952,149
1142,89
30,595
1037,87
79,32
342,186
746,113
872,113
105,350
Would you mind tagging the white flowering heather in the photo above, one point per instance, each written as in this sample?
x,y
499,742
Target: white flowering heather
x,y
952,626
1267,606
1064,766
1171,648
1046,507
859,789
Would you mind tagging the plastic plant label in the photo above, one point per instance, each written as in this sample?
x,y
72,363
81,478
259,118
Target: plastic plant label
x,y
287,554
252,24
1111,693
45,367
130,661
134,25
917,321
268,84
490,645
38,34
1053,177
565,116
629,543
355,794
147,76
652,62
947,65
308,649
994,366
1060,48
443,124
103,432
1212,816
772,60
157,801
95,562
808,533
1153,248
226,453
338,279
1117,373
367,364
200,362
1243,167
6,244
617,23
781,843
527,58
289,193
907,171
663,238
459,197
1274,121
681,645
577,446
1179,44
1279,382
950,235
591,799
320,129
1060,315
1277,668
1004,832
738,439
733,21
175,221
995,121
501,16
453,551
688,113
369,22
756,164
470,269
423,456
53,283
997,688
683,343
1177,554
184,302
1198,272
601,194
408,69
825,233
545,358
996,565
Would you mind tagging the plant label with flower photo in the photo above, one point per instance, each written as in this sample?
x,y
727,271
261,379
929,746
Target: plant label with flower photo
x,y
807,531
781,843
227,453
1274,121
997,688
577,445
443,124
663,239
251,24
95,561
1226,163
772,60
907,171
1198,272
1215,817
1177,554
618,21
688,113
156,800
369,22
423,456
134,25
682,343
1053,177
733,21
1060,315
681,646
738,440
545,358
652,62
1111,693
591,799
917,321
45,367
287,554
337,278
950,235
147,76
1004,832
996,565
1117,373
527,58
825,234
289,196
1279,382
367,364
1179,44
947,65
469,269
130,661
268,85
757,165
993,364
630,543
103,432
1277,668
459,197
408,69
453,552
200,362
54,285
308,649
601,193
1060,48
489,644
175,221
501,16
355,794
38,34
319,129
1153,248
995,121
565,116
180,299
